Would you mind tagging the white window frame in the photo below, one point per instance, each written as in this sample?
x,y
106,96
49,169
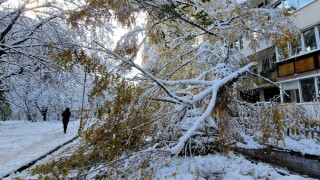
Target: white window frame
x,y
297,3
316,30
316,86
281,92
303,45
300,91
304,48
300,87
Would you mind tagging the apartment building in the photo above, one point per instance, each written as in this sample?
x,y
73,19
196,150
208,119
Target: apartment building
x,y
297,72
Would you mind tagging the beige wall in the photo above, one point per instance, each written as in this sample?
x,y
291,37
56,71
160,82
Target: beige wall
x,y
308,15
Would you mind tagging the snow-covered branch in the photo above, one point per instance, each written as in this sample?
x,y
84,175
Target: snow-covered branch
x,y
158,82
198,120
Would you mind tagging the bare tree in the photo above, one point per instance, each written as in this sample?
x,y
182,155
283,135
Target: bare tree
x,y
29,32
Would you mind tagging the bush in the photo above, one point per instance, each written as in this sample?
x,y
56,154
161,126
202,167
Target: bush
x,y
5,108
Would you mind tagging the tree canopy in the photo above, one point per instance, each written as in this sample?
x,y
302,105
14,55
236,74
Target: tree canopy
x,y
190,53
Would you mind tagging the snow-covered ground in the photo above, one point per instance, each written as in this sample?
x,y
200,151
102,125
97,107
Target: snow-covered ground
x,y
303,146
22,141
222,167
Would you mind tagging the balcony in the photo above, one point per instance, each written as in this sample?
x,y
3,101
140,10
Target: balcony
x,y
295,65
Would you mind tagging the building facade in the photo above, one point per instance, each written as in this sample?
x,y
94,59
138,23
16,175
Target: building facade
x,y
297,72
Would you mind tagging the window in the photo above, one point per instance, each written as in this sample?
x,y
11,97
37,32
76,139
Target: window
x,y
291,89
303,2
310,40
260,5
319,30
291,5
308,90
255,36
279,6
296,48
238,45
241,43
293,96
266,65
273,61
267,2
283,53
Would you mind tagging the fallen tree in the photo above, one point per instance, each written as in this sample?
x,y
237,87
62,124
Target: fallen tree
x,y
190,79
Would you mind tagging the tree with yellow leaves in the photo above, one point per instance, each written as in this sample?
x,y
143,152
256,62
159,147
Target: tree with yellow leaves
x,y
190,76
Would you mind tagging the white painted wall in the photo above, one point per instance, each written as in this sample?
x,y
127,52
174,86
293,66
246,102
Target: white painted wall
x,y
305,17
308,15
247,51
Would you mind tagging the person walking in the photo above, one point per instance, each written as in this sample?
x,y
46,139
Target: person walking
x,y
65,119
44,111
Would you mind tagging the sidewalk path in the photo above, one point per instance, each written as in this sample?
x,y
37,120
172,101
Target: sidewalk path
x,y
22,142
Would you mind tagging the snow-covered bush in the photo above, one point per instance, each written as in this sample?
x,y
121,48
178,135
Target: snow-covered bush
x,y
269,123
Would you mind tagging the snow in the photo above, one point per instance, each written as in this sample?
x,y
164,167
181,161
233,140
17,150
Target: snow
x,y
23,141
220,167
249,142
304,146
177,148
64,151
214,90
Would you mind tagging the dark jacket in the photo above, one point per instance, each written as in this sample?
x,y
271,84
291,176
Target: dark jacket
x,y
66,115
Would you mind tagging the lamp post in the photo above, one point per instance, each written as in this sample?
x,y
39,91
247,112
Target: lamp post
x,y
83,93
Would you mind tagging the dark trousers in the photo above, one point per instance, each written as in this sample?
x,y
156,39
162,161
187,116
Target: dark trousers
x,y
65,124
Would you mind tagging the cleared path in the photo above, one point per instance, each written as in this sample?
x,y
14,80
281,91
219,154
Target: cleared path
x,y
22,142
